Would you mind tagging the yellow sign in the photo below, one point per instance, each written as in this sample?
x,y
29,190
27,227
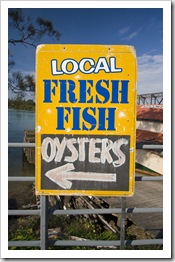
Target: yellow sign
x,y
85,120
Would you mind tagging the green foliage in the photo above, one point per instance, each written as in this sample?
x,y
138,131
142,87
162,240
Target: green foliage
x,y
28,228
19,103
80,228
24,228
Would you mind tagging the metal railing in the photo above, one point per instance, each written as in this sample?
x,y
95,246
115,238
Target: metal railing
x,y
44,243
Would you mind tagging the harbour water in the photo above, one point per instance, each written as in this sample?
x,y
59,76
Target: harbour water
x,y
20,193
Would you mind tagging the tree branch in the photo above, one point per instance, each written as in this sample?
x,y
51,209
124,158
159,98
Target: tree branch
x,y
31,32
28,33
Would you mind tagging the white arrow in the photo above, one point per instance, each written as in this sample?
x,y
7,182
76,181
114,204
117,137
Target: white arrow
x,y
61,175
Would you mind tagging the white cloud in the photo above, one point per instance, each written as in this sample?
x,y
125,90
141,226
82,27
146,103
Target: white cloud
x,y
123,31
150,74
132,35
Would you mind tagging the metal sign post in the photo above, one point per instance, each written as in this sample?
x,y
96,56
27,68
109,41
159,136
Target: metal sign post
x,y
44,222
122,226
85,120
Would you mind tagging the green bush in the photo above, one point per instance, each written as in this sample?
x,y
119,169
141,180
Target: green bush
x,y
19,103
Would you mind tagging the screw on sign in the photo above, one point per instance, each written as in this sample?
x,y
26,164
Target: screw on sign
x,y
85,119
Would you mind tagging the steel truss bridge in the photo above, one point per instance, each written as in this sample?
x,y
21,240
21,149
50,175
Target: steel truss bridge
x,y
150,99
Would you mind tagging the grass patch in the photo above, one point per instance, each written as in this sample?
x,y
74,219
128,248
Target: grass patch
x,y
28,228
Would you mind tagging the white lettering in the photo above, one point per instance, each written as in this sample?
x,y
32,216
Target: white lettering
x,y
102,65
60,148
72,63
82,65
106,150
106,147
54,68
45,146
116,149
85,65
113,63
81,142
93,150
73,150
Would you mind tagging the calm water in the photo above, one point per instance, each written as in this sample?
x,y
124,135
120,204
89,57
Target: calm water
x,y
18,121
20,193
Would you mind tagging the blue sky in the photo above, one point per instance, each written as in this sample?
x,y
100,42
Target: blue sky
x,y
140,27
